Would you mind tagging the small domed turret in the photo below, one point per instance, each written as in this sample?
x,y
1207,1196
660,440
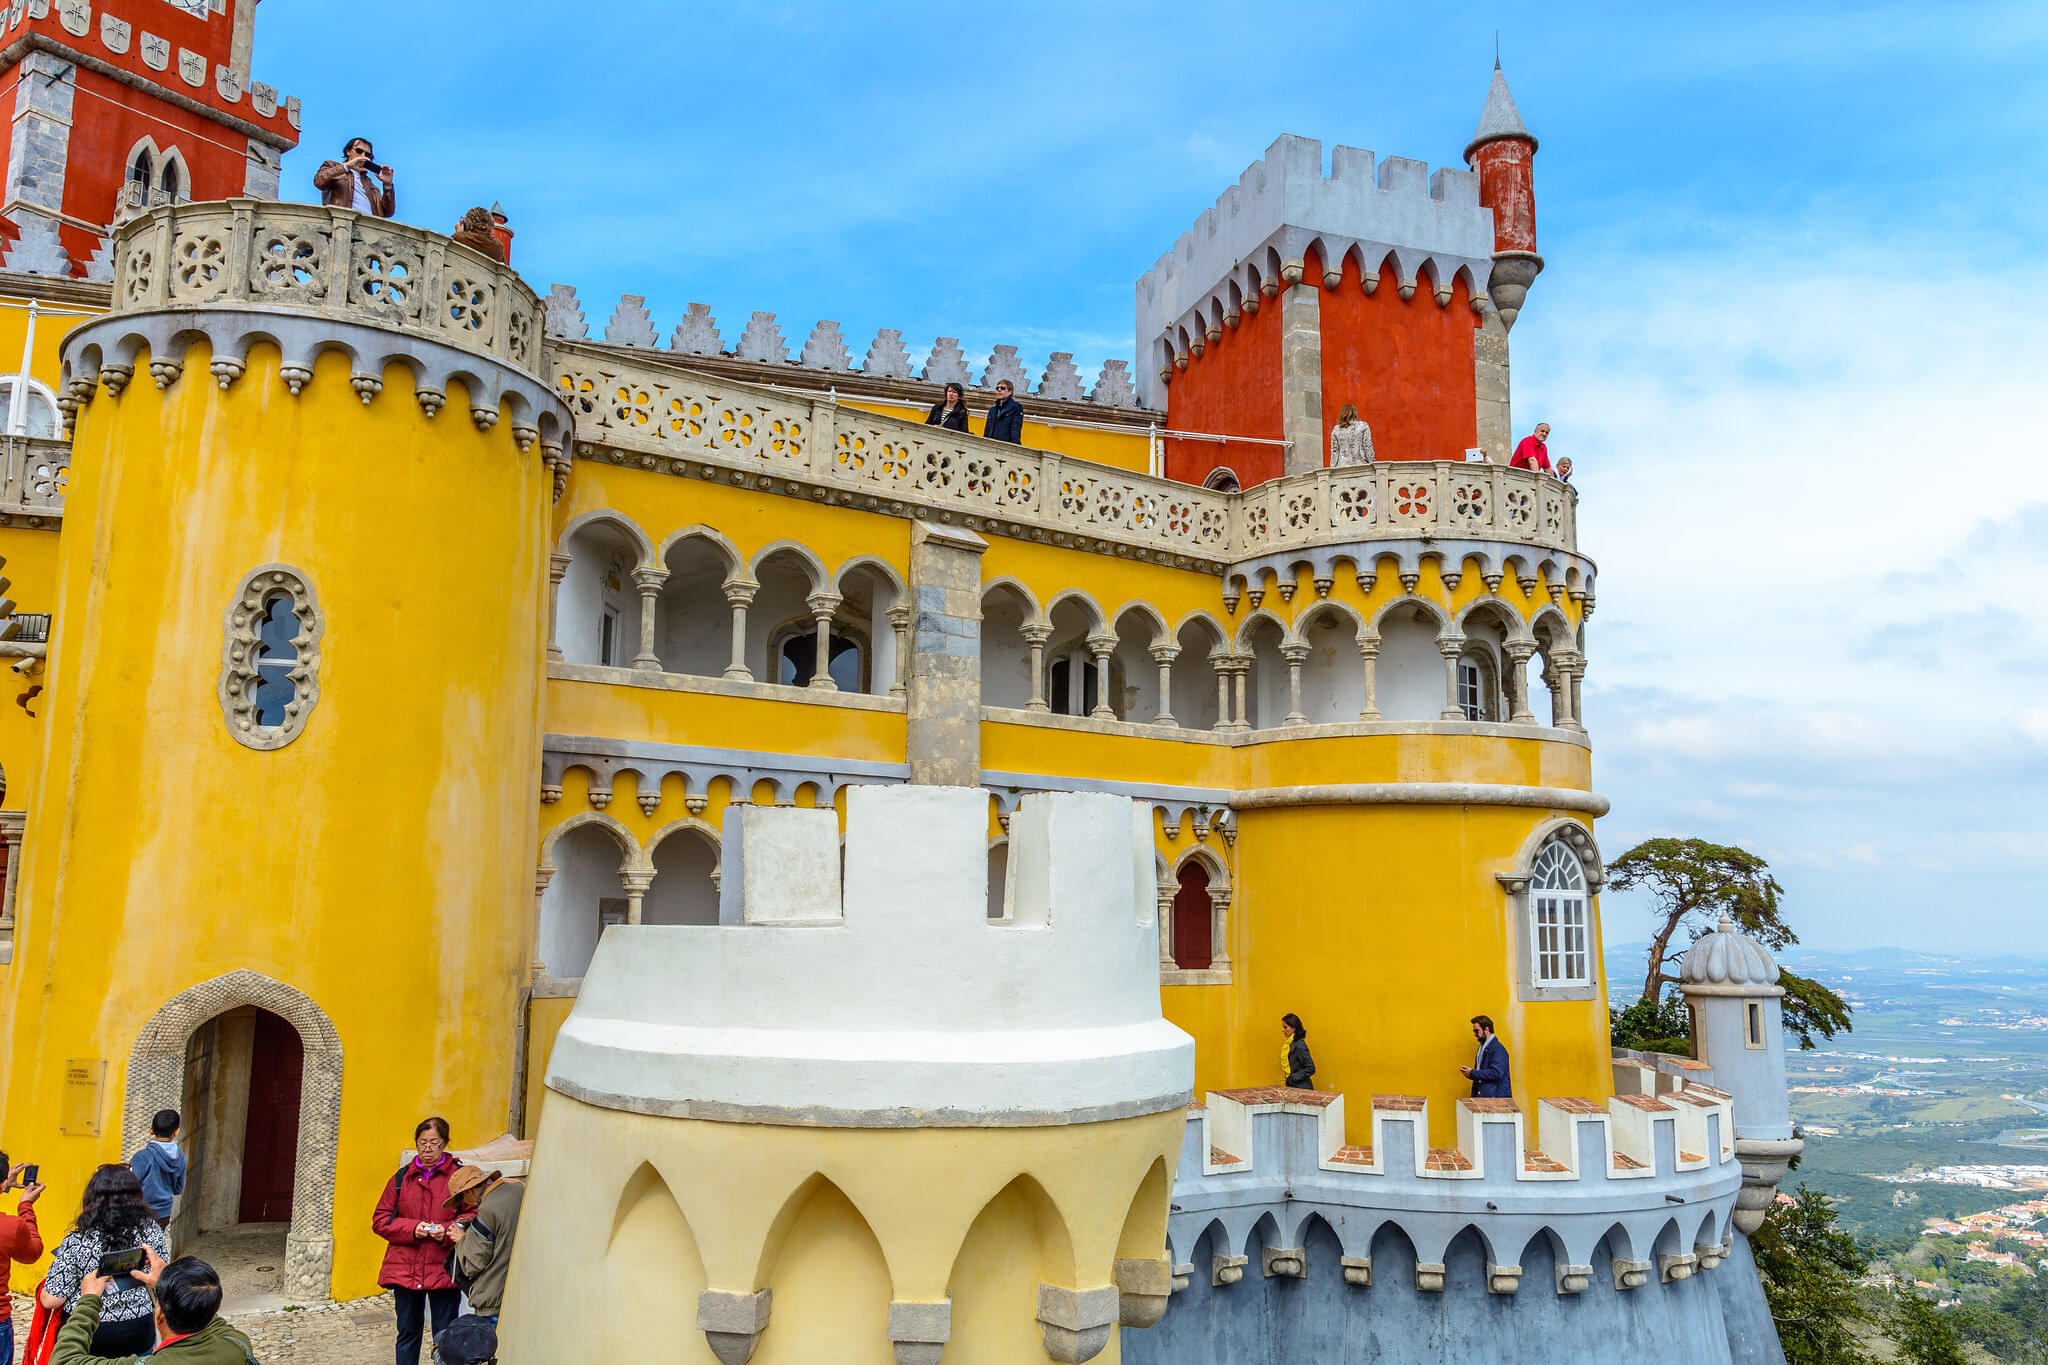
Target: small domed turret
x,y
1730,958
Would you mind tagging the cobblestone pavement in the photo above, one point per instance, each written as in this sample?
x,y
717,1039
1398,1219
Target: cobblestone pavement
x,y
358,1333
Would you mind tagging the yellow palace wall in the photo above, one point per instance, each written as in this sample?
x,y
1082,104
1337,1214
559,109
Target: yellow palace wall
x,y
1383,926
387,874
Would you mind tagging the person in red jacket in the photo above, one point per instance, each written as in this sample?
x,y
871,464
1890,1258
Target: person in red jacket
x,y
412,1216
20,1240
1534,451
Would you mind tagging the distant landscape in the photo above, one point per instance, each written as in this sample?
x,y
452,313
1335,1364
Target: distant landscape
x,y
1927,1126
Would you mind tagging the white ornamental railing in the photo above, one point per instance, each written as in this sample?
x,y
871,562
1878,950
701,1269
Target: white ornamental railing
x,y
657,412
330,261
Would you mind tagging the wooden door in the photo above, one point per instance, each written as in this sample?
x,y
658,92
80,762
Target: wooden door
x,y
270,1146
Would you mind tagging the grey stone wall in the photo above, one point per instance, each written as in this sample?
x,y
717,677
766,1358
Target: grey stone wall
x,y
944,695
1301,376
42,131
1490,383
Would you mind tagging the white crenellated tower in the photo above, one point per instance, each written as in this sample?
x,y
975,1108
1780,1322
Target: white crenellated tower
x,y
868,1079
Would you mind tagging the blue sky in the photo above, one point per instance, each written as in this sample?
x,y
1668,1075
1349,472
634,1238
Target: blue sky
x,y
1789,327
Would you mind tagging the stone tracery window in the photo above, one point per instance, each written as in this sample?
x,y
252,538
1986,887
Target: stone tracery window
x,y
270,658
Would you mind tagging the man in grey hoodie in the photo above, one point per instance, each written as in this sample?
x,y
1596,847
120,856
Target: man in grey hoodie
x,y
161,1165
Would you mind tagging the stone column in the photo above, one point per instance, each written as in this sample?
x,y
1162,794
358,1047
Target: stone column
x,y
1449,648
1518,685
822,605
1369,655
636,882
558,567
1101,647
42,132
1301,370
944,698
739,596
1164,655
1296,656
649,582
1219,927
1553,678
1166,960
1573,668
1238,669
1221,663
1036,636
899,621
1490,384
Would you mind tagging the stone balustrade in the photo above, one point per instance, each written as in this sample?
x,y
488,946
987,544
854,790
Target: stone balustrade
x,y
668,418
247,253
34,474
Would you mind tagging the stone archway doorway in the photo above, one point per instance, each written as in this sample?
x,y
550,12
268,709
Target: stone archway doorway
x,y
255,1066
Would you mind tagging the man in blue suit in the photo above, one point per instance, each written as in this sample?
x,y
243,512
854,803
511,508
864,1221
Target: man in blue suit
x,y
1489,1070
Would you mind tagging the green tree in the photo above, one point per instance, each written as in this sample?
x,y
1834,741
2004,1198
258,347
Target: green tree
x,y
1923,1333
1691,884
1652,1026
1809,1267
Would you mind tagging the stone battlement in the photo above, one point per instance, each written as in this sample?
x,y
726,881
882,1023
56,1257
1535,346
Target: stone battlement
x,y
1648,1182
894,995
761,342
1261,228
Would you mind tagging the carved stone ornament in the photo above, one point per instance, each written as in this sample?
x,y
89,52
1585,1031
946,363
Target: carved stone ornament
x,y
192,67
262,98
76,16
291,110
116,33
38,9
156,52
227,83
240,647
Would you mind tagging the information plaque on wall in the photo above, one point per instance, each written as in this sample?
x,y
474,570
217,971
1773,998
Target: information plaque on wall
x,y
84,1079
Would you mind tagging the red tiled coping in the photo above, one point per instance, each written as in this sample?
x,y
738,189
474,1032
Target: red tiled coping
x,y
1491,1105
1196,1106
1691,1097
1280,1094
1626,1163
1576,1105
1405,1104
1353,1156
1219,1157
1537,1161
1690,1156
1707,1090
1446,1159
1690,1064
1645,1102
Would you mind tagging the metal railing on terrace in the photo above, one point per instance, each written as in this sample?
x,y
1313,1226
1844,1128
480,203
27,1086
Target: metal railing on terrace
x,y
667,417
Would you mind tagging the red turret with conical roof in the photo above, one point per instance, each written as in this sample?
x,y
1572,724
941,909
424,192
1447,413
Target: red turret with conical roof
x,y
1503,152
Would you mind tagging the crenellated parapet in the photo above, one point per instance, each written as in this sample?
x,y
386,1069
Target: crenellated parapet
x,y
1394,217
827,350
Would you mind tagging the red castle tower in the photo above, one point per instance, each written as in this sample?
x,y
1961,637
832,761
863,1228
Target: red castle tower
x,y
1382,286
121,104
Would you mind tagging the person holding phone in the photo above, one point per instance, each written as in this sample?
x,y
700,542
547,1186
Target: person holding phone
x,y
188,1327
114,1221
20,1239
413,1216
357,181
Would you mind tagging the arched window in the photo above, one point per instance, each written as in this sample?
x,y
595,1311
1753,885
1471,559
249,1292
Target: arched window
x,y
30,406
142,171
270,661
1558,918
1193,918
795,655
1222,480
173,183
1478,685
273,689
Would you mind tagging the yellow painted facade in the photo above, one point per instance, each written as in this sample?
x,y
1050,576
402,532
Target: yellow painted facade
x,y
383,864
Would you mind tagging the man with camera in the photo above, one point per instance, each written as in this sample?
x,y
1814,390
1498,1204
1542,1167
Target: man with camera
x,y
357,181
20,1239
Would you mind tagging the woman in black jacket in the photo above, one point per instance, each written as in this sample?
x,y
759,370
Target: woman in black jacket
x,y
1294,1053
949,412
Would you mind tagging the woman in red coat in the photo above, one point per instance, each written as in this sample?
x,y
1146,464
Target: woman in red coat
x,y
412,1216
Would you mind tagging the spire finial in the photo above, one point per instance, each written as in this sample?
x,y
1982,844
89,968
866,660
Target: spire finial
x,y
1496,49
